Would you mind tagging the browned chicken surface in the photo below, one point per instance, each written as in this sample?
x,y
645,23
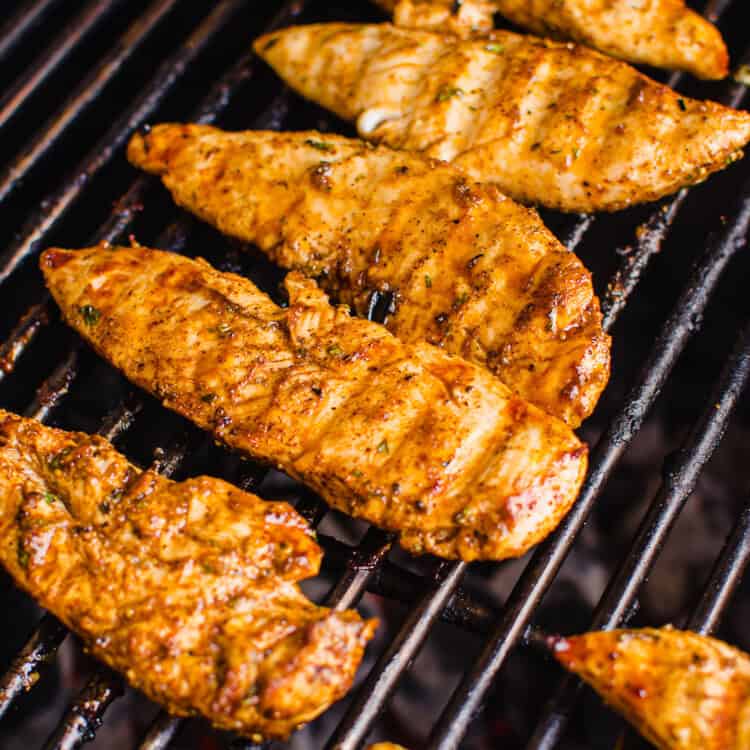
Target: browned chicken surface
x,y
662,33
404,436
470,270
681,690
461,18
187,588
553,124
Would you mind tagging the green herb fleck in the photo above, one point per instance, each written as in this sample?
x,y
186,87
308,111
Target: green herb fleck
x,y
49,498
57,460
495,48
576,153
462,299
23,555
334,350
681,104
448,92
428,281
223,330
104,507
742,75
320,145
270,43
732,158
208,398
357,473
90,315
383,447
207,568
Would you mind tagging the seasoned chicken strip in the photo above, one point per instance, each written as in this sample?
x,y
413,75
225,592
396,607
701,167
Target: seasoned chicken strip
x,y
551,123
681,690
462,18
662,33
187,588
471,271
404,436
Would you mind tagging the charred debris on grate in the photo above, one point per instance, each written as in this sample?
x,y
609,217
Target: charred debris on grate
x,y
477,604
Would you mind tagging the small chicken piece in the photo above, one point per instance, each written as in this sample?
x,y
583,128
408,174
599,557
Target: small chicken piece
x,y
470,270
662,33
187,588
403,436
461,18
681,690
553,124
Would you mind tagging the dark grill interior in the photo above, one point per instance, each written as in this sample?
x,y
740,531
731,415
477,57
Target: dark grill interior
x,y
79,78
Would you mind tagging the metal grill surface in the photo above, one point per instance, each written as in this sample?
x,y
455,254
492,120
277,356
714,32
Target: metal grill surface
x,y
79,78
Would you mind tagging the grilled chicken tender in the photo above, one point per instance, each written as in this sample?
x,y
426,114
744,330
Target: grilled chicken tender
x,y
553,124
187,588
471,271
681,690
404,436
462,18
662,33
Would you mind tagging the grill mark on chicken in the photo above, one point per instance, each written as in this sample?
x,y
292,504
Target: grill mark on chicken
x,y
187,588
681,690
334,401
527,126
470,270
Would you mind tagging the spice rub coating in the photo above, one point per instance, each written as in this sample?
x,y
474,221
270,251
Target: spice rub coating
x,y
404,436
662,33
463,19
553,124
187,588
681,690
469,269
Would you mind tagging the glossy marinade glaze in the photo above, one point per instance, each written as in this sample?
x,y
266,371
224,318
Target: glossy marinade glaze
x,y
187,588
404,436
469,269
681,690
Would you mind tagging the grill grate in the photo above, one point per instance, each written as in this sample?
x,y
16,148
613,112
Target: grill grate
x,y
439,591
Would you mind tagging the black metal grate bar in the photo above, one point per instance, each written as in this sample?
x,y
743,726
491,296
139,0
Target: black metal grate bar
x,y
86,93
396,659
70,37
680,474
79,725
21,675
724,578
546,562
170,72
21,23
650,236
22,335
56,387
